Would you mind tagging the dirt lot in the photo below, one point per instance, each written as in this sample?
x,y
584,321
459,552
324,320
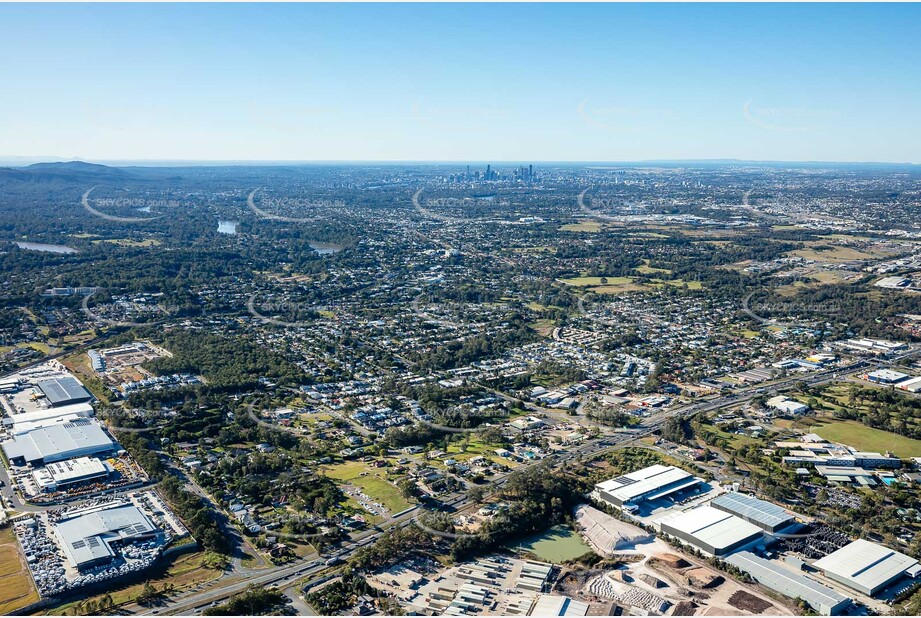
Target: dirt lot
x,y
16,587
748,602
655,573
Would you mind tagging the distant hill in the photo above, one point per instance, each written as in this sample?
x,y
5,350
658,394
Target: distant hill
x,y
62,171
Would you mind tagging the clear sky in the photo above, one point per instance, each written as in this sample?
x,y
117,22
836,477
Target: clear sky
x,y
513,82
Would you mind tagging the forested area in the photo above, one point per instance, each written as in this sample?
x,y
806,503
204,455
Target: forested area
x,y
227,363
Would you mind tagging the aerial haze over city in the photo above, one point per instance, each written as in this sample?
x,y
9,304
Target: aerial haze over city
x,y
456,309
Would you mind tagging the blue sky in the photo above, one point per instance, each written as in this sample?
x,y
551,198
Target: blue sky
x,y
501,82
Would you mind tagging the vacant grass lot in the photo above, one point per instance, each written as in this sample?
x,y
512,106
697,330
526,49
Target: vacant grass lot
x,y
814,251
866,438
646,269
619,285
590,281
127,242
16,587
582,226
371,481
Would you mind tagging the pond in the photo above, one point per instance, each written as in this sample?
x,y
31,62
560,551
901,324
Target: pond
x,y
558,544
40,246
324,248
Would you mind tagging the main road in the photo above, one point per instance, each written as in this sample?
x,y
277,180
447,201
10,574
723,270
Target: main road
x,y
317,570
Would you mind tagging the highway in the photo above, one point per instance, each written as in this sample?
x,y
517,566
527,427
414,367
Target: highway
x,y
314,570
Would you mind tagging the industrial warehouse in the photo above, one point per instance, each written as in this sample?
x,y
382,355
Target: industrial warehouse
x,y
629,491
105,538
61,474
764,540
64,391
865,567
712,531
57,442
820,598
90,538
767,516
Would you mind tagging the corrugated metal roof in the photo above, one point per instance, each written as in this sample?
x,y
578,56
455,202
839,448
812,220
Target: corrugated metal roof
x,y
552,605
712,526
782,580
869,565
64,390
59,441
754,509
641,482
85,537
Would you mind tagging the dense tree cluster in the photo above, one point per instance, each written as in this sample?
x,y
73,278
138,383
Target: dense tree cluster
x,y
340,595
253,602
232,363
201,520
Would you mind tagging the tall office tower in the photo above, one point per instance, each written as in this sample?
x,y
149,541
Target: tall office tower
x,y
488,172
530,173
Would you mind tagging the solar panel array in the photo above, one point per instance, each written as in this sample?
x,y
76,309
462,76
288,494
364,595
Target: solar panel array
x,y
752,509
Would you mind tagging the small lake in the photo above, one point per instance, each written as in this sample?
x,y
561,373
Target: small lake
x,y
40,246
227,227
324,248
558,544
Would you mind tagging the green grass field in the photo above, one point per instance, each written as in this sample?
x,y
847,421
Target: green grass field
x,y
558,544
127,242
373,483
646,269
866,438
692,285
619,285
591,281
582,226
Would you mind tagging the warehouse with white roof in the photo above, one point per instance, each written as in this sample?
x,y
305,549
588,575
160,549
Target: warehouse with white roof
x,y
554,605
25,421
91,538
61,474
864,566
821,598
711,530
78,438
648,484
765,515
